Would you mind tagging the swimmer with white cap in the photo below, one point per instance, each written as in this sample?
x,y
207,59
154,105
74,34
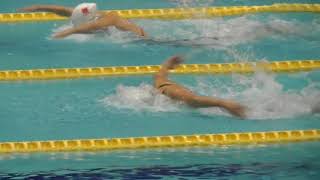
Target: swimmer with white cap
x,y
86,19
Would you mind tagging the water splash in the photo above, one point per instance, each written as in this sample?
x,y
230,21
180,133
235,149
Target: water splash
x,y
265,97
143,97
220,33
216,33
261,93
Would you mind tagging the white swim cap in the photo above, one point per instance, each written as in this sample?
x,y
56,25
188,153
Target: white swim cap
x,y
83,13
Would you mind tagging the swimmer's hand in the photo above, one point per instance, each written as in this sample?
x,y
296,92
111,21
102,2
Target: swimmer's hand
x,y
64,33
173,62
235,108
60,35
142,33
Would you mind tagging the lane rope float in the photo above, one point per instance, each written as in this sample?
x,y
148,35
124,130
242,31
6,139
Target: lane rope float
x,y
161,141
223,68
173,13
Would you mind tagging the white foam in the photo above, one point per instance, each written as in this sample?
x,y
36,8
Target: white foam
x,y
266,98
261,93
221,32
215,33
143,97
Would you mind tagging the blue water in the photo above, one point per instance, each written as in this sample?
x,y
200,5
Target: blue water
x,y
126,106
243,162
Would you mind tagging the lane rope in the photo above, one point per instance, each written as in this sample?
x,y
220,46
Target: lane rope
x,y
173,13
223,68
161,141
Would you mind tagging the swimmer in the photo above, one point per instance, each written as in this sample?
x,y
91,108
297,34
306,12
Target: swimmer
x,y
86,19
178,92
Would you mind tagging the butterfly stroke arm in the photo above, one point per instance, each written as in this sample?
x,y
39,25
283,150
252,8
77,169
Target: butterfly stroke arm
x,y
84,28
178,92
60,10
162,75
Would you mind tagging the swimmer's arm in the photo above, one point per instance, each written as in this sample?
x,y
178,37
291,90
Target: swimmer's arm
x,y
84,28
60,10
160,77
162,74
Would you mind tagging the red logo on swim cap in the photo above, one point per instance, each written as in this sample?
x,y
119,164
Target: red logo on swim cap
x,y
85,11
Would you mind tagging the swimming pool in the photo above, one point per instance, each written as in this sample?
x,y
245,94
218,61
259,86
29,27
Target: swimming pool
x,y
124,106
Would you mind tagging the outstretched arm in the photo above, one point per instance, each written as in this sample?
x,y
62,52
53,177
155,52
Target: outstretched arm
x,y
60,10
83,28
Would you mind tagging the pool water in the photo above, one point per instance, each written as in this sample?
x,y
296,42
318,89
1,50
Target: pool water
x,y
286,161
128,106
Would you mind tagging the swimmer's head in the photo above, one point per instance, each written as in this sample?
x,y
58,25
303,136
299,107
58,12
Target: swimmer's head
x,y
83,13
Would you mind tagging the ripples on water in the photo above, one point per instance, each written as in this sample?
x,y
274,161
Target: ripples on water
x,y
195,171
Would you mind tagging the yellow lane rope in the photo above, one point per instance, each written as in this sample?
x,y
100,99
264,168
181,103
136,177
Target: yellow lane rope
x,y
161,141
173,13
224,68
